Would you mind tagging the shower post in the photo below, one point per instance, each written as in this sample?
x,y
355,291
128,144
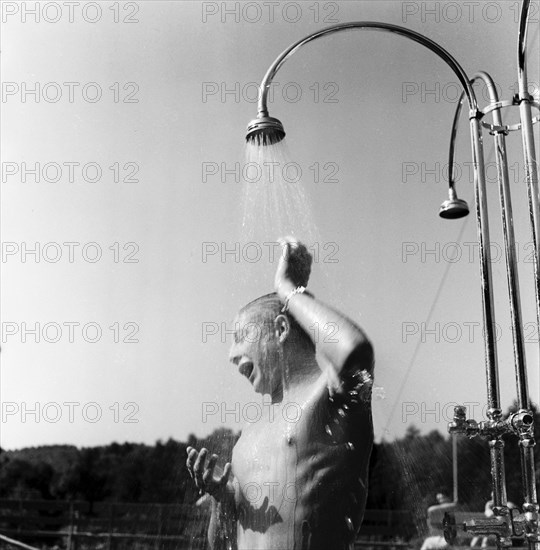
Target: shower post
x,y
526,432
520,423
494,412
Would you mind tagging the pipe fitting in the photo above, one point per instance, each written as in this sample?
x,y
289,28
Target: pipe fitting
x,y
460,424
522,421
491,526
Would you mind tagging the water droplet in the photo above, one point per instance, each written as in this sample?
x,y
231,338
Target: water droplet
x,y
379,392
350,525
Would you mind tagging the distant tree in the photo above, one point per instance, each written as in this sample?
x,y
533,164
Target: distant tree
x,y
412,433
127,480
22,479
161,480
90,475
385,479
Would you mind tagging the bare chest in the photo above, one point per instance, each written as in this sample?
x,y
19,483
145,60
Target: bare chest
x,y
261,445
266,456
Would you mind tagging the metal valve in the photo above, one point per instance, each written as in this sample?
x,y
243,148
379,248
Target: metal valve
x,y
460,424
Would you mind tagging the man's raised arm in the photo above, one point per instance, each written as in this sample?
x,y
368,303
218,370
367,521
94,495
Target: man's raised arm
x,y
337,338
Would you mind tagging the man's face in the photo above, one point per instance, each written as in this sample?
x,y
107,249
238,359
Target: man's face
x,y
255,351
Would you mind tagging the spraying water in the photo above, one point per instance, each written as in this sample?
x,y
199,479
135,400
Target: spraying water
x,y
274,202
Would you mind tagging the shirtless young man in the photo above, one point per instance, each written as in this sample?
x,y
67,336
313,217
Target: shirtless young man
x,y
297,479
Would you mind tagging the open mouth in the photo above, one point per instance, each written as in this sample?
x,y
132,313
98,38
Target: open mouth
x,y
246,369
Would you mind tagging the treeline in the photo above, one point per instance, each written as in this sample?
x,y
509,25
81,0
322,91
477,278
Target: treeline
x,y
404,474
126,472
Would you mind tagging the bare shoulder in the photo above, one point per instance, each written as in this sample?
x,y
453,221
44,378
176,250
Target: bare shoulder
x,y
352,385
341,406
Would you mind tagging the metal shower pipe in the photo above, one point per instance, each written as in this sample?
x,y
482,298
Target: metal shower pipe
x,y
365,25
490,350
524,431
527,443
521,423
529,155
499,132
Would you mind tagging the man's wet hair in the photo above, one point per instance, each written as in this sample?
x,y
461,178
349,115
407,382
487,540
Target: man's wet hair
x,y
265,309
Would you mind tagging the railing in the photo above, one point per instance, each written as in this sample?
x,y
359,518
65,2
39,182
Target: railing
x,y
16,543
79,524
386,529
155,525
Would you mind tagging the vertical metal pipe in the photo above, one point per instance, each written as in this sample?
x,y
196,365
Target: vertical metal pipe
x,y
494,412
528,474
508,231
455,466
453,135
511,272
510,247
525,433
527,468
529,154
531,176
496,445
496,451
530,505
492,375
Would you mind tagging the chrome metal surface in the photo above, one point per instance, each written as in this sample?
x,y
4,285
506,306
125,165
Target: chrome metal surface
x,y
362,25
522,423
266,130
453,209
366,25
529,156
506,128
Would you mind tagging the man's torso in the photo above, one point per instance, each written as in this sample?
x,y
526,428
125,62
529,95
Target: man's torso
x,y
301,473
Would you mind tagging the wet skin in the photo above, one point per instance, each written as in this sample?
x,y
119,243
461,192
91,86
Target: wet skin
x,y
300,469
298,475
299,472
302,484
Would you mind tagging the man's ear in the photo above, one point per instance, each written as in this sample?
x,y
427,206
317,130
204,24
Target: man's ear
x,y
282,327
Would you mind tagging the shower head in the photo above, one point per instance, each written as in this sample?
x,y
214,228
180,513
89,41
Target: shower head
x,y
265,130
453,208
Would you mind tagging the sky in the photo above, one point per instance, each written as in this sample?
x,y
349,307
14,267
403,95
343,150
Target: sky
x,y
122,151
